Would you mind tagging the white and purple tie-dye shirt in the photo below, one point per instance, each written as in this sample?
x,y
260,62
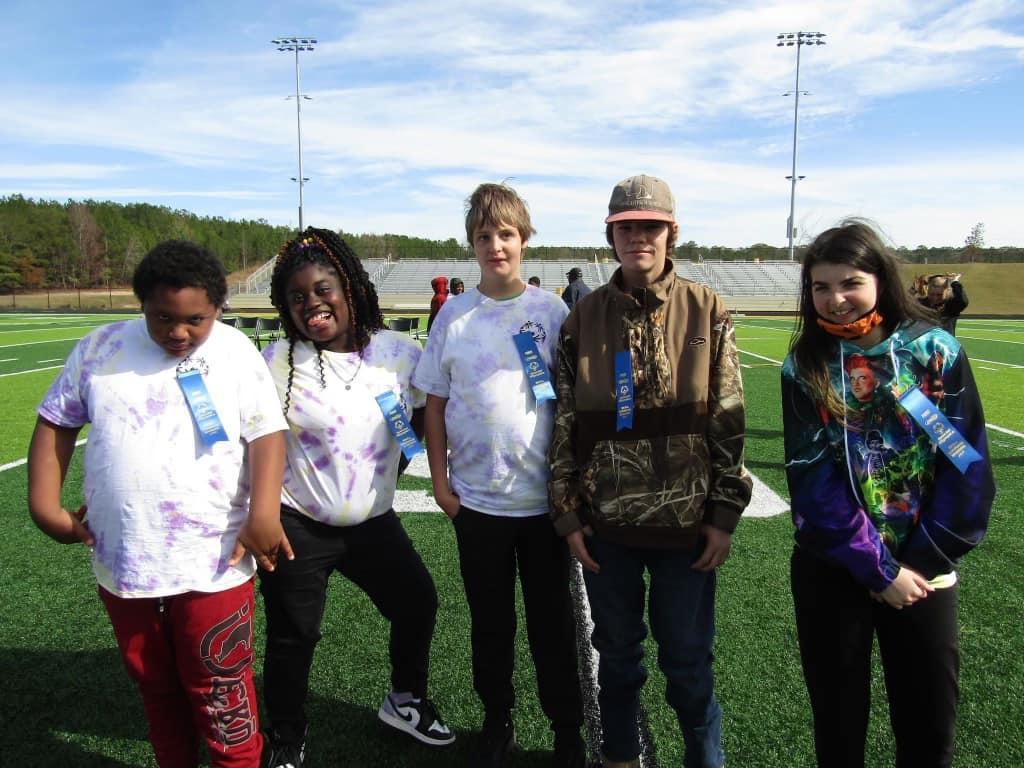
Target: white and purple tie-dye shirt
x,y
497,434
342,459
164,508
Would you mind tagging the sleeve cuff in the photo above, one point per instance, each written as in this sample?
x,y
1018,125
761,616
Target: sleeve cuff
x,y
723,517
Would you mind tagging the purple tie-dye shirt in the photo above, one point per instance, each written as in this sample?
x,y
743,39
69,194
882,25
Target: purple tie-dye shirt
x,y
164,508
497,434
342,460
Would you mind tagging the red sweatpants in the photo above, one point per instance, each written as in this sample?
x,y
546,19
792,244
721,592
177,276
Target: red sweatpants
x,y
191,655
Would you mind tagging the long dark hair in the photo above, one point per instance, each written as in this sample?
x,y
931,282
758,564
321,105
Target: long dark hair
x,y
855,243
326,248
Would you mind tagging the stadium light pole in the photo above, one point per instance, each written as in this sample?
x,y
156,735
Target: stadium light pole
x,y
797,39
297,44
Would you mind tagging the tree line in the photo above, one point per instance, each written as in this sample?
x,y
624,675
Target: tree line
x,y
90,244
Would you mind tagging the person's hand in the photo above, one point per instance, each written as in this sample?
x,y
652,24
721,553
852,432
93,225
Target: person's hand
x,y
75,531
578,548
717,544
906,589
265,540
448,502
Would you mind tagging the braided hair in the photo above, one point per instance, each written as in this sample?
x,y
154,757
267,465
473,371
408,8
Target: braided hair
x,y
327,249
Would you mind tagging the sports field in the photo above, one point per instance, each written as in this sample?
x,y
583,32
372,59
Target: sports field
x,y
66,701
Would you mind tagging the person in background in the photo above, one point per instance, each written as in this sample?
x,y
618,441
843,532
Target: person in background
x,y
534,281
946,296
457,286
883,508
647,471
576,289
439,285
183,473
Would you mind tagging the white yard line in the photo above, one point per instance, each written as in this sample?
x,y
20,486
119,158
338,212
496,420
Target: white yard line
x,y
761,357
1004,430
62,328
34,370
985,338
51,360
32,343
20,462
995,362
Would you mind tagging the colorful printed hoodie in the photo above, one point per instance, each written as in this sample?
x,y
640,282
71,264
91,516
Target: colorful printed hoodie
x,y
880,493
681,463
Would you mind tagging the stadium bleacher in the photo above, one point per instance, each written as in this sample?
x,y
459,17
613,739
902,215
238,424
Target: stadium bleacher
x,y
406,283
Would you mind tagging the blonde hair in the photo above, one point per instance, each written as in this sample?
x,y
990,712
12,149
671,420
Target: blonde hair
x,y
496,204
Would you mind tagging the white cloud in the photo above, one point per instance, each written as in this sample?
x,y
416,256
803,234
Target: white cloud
x,y
415,103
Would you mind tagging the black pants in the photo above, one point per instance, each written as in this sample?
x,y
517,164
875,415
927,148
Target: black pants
x,y
836,619
490,549
378,557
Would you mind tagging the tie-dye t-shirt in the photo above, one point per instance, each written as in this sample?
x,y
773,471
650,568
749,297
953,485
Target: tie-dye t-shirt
x,y
497,434
342,459
164,508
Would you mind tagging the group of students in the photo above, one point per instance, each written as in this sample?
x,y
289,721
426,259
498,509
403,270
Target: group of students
x,y
612,433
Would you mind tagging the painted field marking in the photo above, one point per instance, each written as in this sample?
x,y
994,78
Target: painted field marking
x,y
8,360
21,462
764,502
985,338
986,368
761,357
62,328
996,362
51,360
33,343
34,370
1004,430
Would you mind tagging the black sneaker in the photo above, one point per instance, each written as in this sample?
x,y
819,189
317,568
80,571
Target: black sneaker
x,y
570,751
416,717
282,754
494,748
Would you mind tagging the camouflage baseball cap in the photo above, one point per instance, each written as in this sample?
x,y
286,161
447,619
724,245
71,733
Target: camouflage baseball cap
x,y
642,197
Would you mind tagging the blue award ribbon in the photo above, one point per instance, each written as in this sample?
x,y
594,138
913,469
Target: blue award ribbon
x,y
623,390
536,370
398,424
939,430
203,410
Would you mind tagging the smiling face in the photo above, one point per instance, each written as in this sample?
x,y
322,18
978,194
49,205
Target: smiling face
x,y
641,246
499,252
842,293
318,308
179,319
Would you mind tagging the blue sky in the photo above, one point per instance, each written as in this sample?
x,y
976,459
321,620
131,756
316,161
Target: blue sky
x,y
915,118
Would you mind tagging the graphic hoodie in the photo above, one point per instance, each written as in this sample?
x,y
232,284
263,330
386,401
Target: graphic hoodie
x,y
879,493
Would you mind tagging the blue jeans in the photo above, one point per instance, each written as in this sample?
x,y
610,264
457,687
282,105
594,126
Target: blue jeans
x,y
682,616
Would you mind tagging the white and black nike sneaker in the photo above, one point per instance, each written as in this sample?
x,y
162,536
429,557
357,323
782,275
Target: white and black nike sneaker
x,y
416,717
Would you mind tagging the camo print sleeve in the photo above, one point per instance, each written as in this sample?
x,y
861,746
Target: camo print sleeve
x,y
730,482
563,488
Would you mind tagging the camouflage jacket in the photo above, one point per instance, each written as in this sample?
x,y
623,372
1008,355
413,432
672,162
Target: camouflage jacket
x,y
681,463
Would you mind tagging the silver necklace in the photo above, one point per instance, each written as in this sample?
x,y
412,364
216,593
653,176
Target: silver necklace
x,y
348,382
